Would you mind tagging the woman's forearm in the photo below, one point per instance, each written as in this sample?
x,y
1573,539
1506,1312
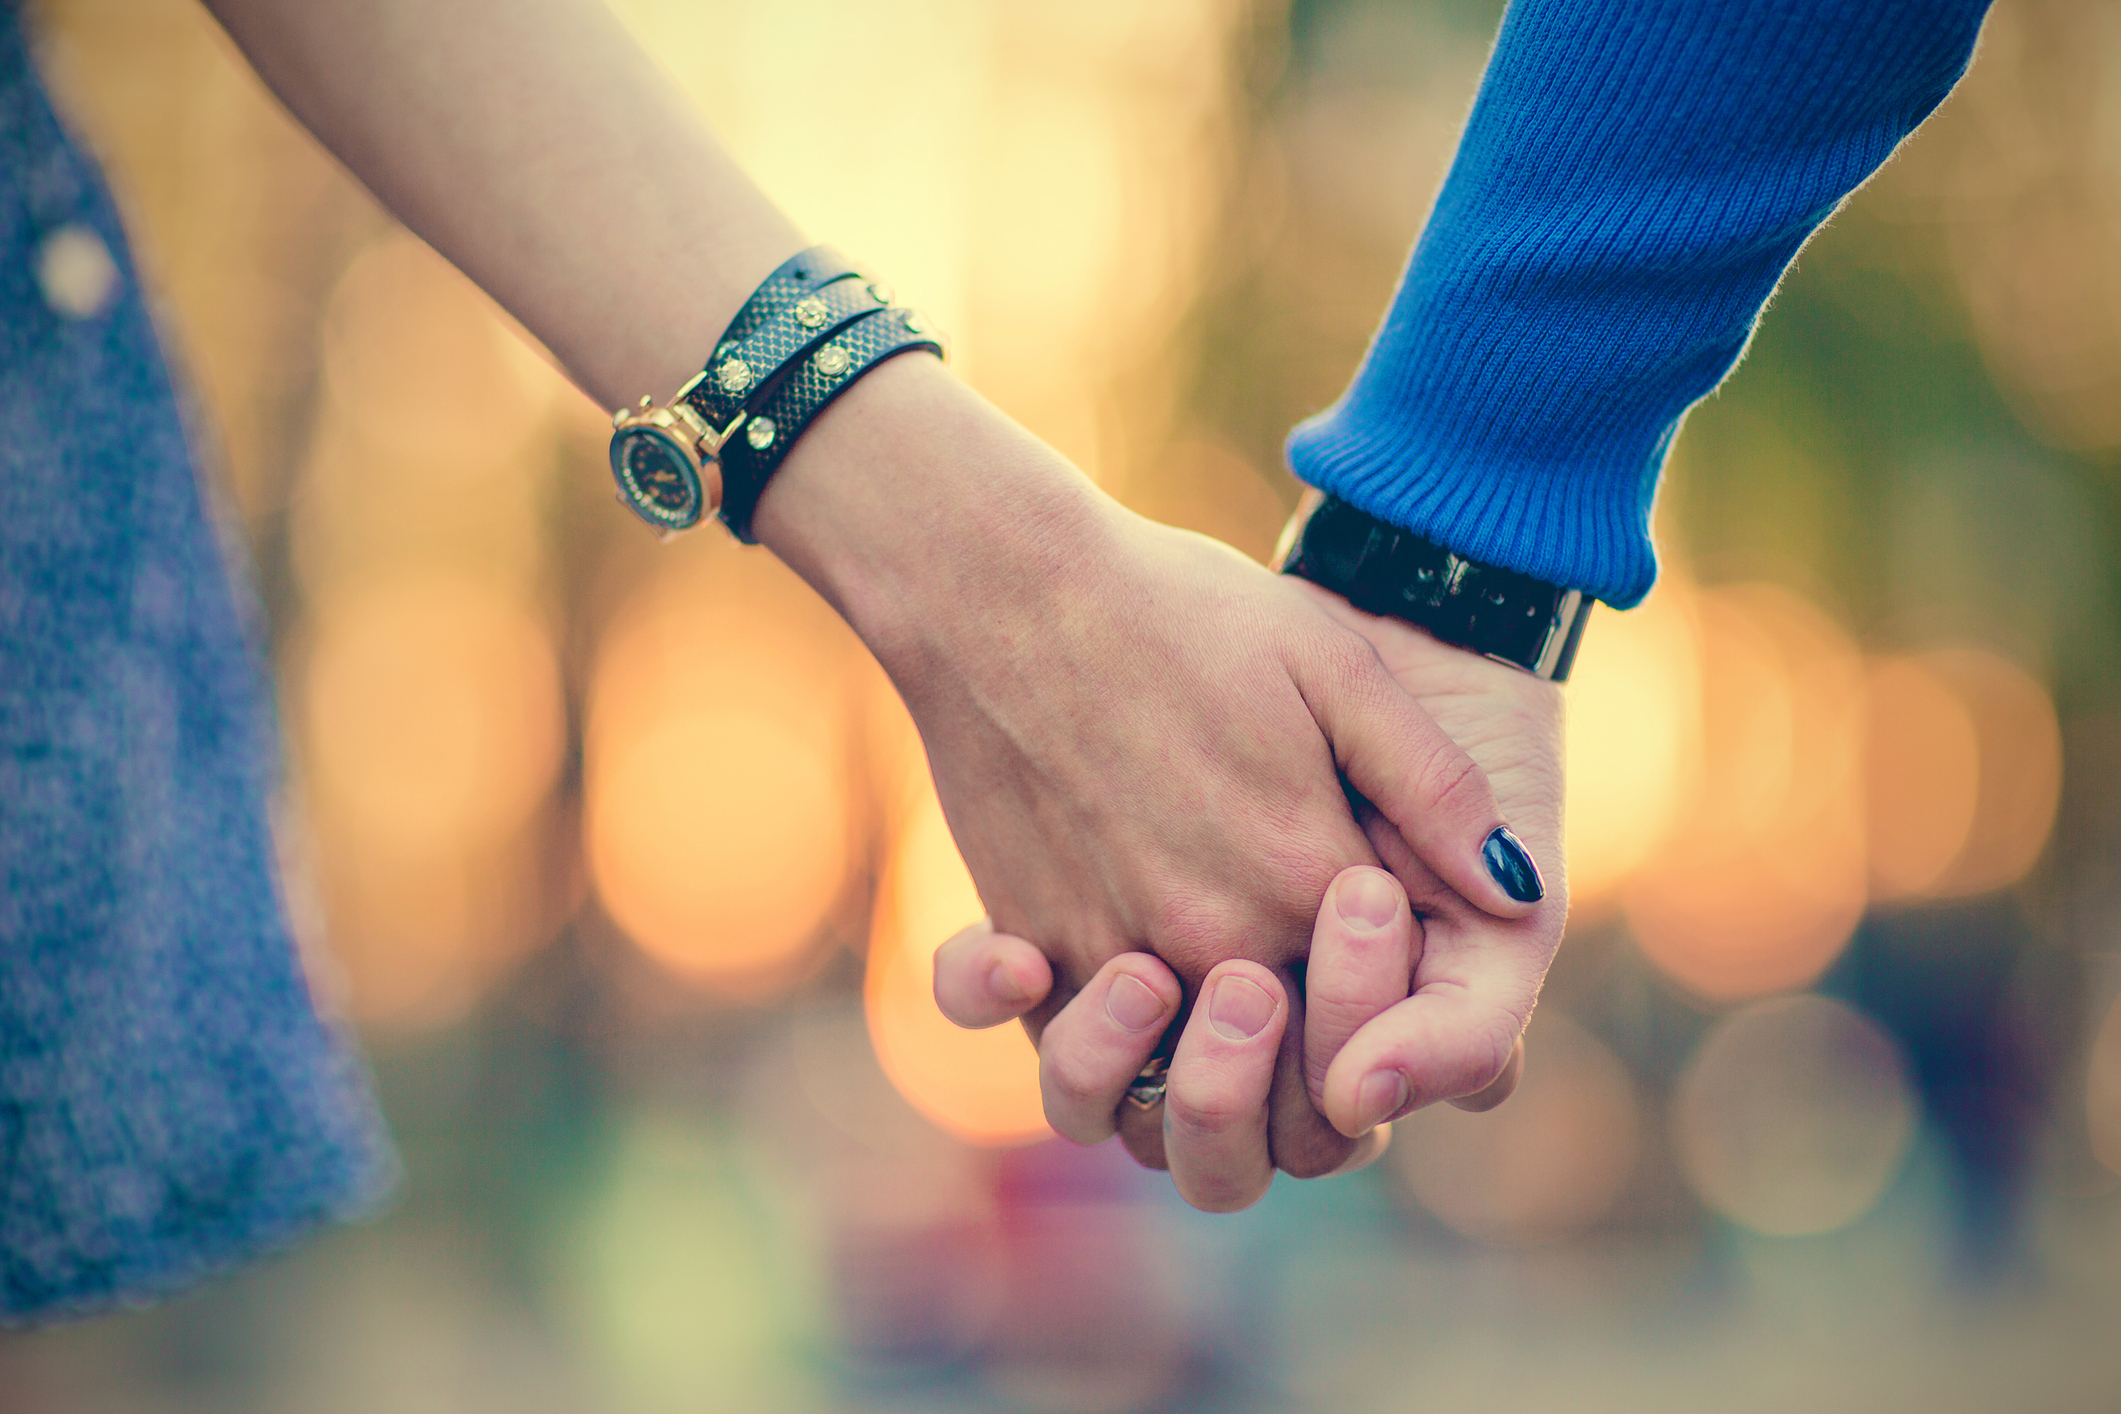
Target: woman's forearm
x,y
537,147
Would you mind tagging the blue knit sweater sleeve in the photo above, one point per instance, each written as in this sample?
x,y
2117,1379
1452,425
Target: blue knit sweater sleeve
x,y
1633,179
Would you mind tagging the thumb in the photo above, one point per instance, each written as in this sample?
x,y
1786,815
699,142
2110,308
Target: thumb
x,y
1398,759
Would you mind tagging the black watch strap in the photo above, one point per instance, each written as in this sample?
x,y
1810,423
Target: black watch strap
x,y
744,368
750,458
803,273
1382,569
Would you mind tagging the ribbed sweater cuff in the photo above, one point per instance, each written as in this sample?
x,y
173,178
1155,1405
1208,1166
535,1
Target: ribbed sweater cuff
x,y
1633,180
1583,525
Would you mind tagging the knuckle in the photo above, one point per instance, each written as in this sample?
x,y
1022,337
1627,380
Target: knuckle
x,y
1490,1053
1347,661
1303,865
1202,1111
1192,932
1451,784
1331,1018
1073,1080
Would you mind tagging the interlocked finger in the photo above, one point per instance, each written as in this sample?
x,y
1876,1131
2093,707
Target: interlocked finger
x,y
1096,1046
1215,1117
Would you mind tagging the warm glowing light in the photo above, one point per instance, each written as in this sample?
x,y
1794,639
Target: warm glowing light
x,y
432,727
418,937
2020,774
1922,760
432,711
2102,1091
1793,1116
1555,1158
980,1085
1633,729
1205,486
1759,884
1082,144
418,360
717,839
716,797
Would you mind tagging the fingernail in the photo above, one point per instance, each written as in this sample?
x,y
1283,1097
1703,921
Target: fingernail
x,y
1366,899
1382,1094
1129,1002
1505,856
1004,987
1240,1008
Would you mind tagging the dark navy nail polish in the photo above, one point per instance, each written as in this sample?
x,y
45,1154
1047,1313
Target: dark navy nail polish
x,y
1505,856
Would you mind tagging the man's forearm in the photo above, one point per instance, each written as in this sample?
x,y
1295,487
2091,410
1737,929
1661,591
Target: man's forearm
x,y
1633,179
536,146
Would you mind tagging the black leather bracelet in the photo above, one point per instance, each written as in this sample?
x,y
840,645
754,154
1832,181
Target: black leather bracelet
x,y
668,460
1382,569
752,456
747,366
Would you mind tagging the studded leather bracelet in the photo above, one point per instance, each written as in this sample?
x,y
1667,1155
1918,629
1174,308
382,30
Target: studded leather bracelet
x,y
810,329
749,461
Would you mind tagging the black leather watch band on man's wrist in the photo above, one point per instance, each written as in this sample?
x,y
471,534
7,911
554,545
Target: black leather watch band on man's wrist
x,y
1382,569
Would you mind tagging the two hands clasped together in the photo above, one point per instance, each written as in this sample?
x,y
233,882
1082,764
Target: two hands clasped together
x,y
1174,777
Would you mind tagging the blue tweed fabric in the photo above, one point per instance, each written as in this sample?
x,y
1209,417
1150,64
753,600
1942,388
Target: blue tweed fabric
x,y
170,1103
1634,178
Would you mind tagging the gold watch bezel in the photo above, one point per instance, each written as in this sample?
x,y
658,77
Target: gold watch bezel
x,y
683,431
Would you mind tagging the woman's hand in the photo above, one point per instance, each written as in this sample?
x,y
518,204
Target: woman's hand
x,y
1372,1051
1137,735
1458,1036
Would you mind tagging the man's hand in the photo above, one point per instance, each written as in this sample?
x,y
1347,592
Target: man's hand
x,y
1210,1128
1138,737
1372,1051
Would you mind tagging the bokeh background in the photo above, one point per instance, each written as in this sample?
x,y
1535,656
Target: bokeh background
x,y
622,858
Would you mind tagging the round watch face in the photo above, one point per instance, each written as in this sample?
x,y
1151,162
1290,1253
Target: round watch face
x,y
657,475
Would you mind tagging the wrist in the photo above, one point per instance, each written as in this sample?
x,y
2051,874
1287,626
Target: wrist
x,y
911,500
1499,613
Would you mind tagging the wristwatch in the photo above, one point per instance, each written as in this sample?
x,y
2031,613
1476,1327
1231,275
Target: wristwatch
x,y
812,328
1381,569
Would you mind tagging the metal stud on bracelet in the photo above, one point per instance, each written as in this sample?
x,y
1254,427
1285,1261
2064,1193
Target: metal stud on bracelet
x,y
749,463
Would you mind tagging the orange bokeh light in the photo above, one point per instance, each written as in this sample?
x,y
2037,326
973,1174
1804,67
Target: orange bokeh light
x,y
2020,775
1760,883
1554,1159
716,767
432,710
419,937
1793,1116
432,726
1922,763
1633,729
425,367
981,1086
